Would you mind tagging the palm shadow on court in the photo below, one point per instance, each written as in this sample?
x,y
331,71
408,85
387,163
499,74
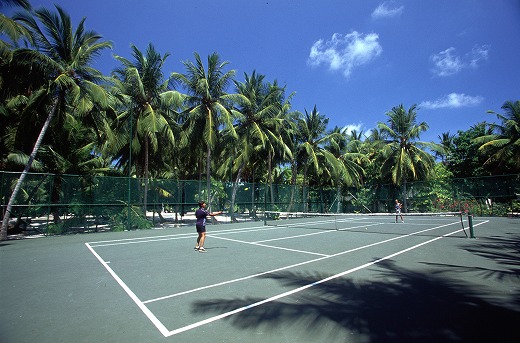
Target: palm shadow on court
x,y
401,305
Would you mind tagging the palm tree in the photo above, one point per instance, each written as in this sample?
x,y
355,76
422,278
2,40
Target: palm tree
x,y
445,146
258,125
464,159
291,138
504,144
312,138
148,103
11,84
281,150
402,157
62,56
345,147
11,29
22,3
371,147
208,106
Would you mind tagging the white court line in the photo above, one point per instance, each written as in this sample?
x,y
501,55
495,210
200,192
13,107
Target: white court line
x,y
252,229
167,333
163,238
259,243
297,290
290,266
314,233
149,239
172,237
189,235
269,246
132,295
135,239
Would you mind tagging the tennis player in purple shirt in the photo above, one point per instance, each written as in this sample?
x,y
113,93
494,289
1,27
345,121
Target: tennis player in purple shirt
x,y
201,214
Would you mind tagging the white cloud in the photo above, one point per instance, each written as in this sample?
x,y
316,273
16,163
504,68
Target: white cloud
x,y
351,127
452,100
477,54
344,52
387,10
448,63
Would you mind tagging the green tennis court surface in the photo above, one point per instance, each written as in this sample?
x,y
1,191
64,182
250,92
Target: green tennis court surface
x,y
328,279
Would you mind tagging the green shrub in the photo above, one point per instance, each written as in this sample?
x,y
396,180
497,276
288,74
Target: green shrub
x,y
137,219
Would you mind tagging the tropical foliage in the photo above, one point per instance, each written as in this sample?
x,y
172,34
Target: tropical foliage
x,y
57,88
503,144
62,116
402,157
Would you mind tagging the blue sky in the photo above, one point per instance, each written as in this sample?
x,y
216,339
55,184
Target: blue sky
x,y
354,60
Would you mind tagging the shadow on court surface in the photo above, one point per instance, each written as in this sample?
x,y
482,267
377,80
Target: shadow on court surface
x,y
402,306
454,290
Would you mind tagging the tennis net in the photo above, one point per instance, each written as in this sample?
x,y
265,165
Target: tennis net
x,y
349,221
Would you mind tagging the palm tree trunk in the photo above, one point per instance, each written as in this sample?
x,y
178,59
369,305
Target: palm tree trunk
x,y
208,176
253,206
293,184
305,190
234,194
146,161
177,206
200,168
338,198
405,205
270,176
7,214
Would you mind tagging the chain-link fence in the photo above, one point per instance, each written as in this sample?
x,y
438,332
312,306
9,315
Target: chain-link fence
x,y
55,204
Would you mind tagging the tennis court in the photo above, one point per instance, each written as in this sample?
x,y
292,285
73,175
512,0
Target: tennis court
x,y
319,279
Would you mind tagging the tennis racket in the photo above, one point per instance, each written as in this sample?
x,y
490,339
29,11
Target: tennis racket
x,y
227,206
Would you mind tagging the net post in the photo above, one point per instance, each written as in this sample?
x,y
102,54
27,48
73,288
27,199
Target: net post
x,y
462,223
471,232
